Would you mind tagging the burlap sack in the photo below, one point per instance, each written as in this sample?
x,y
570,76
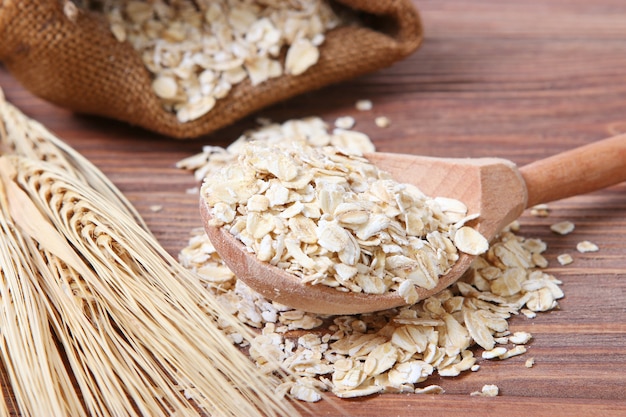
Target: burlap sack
x,y
75,62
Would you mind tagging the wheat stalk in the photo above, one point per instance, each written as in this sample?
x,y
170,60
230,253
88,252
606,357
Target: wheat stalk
x,y
21,135
97,319
29,352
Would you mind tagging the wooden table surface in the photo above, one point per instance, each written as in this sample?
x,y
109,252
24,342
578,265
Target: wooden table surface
x,y
518,80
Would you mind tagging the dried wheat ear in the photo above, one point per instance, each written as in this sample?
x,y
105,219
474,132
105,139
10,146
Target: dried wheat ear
x,y
96,317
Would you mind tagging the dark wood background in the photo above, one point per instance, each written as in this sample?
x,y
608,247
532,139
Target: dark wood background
x,y
518,80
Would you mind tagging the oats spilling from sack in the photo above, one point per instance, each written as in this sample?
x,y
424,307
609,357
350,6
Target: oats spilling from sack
x,y
198,50
386,352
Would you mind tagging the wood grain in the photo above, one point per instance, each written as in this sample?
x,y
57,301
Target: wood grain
x,y
577,171
501,78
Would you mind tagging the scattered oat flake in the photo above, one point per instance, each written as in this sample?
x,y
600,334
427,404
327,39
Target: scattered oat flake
x,y
431,389
382,121
565,259
494,353
470,241
563,227
540,210
514,226
364,105
156,208
70,10
302,55
586,246
520,338
305,393
530,362
345,122
488,390
165,86
515,351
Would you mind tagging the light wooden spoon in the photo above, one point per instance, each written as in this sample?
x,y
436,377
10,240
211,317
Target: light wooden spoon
x,y
493,187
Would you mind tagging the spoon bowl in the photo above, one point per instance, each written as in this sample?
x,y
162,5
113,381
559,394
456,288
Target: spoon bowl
x,y
495,188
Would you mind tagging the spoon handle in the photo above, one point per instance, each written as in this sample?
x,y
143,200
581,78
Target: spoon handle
x,y
577,171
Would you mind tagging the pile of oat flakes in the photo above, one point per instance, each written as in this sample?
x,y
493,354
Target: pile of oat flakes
x,y
330,217
386,352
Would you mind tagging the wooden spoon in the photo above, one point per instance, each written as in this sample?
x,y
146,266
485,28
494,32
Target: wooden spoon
x,y
493,187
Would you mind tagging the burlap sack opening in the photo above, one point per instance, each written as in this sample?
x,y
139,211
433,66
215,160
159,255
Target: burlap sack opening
x,y
76,63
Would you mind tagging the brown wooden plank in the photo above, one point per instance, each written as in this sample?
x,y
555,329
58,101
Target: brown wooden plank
x,y
519,80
